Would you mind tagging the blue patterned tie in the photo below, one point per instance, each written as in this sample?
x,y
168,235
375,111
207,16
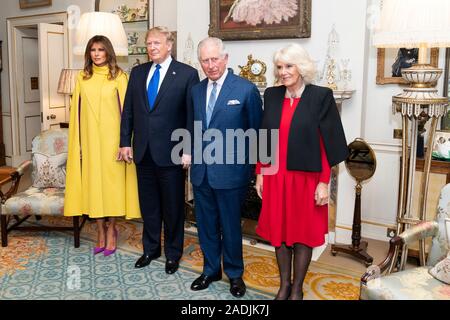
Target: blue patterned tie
x,y
152,90
211,103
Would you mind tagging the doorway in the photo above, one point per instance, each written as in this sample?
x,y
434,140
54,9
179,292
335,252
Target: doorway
x,y
38,50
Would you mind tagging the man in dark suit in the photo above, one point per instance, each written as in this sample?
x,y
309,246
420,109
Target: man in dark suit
x,y
221,103
157,103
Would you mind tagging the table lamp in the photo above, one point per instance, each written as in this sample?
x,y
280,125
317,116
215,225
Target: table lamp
x,y
67,80
101,23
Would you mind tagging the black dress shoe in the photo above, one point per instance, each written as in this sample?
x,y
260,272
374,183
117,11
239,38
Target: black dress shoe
x,y
204,281
171,266
144,260
237,287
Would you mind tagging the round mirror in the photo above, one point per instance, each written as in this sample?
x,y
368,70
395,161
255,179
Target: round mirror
x,y
361,162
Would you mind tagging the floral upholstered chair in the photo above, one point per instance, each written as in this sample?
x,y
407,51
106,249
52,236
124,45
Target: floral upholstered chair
x,y
45,197
430,282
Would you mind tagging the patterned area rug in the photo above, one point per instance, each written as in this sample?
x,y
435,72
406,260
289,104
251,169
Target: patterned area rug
x,y
45,265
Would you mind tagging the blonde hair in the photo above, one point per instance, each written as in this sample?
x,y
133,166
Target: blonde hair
x,y
164,31
298,56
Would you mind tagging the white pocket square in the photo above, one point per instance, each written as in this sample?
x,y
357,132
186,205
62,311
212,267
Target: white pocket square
x,y
233,102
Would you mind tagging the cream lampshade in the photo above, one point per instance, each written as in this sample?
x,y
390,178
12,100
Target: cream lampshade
x,y
101,23
415,24
67,80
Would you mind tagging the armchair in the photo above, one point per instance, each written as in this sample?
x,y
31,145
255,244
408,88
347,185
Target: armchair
x,y
415,283
46,195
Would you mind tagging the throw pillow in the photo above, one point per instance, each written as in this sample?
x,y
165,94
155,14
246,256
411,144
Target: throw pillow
x,y
49,171
441,270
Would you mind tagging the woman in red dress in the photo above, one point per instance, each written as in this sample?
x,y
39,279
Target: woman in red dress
x,y
294,186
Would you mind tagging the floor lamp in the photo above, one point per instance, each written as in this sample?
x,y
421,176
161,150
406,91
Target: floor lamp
x,y
415,24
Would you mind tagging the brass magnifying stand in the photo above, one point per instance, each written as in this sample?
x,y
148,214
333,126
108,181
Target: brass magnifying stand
x,y
361,165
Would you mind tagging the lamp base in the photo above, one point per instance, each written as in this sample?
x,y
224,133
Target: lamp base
x,y
359,252
421,96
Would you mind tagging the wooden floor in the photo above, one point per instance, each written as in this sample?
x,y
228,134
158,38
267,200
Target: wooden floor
x,y
377,249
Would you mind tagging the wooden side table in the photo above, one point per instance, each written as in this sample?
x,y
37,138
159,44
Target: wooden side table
x,y
437,166
6,177
5,174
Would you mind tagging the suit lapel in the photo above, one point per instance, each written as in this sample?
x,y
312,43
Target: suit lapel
x,y
278,102
169,79
143,82
202,104
227,88
304,110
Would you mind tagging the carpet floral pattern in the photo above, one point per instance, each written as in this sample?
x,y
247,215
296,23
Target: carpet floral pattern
x,y
323,281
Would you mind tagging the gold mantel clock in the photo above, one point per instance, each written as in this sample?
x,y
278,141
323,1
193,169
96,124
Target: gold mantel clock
x,y
254,71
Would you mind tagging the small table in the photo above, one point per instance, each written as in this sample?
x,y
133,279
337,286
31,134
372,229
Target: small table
x,y
437,166
5,174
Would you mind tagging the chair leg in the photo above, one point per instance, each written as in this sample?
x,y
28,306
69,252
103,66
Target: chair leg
x,y
76,231
4,230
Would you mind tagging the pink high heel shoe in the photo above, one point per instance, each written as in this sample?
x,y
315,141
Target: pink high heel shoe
x,y
107,252
97,250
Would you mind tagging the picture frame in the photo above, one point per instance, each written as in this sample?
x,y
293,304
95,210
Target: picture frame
x,y
174,45
129,11
441,145
445,122
25,4
229,21
386,58
136,41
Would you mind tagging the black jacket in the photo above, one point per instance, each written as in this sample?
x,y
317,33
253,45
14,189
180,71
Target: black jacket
x,y
172,111
316,114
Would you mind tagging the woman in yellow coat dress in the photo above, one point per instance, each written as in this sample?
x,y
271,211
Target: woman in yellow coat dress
x,y
98,183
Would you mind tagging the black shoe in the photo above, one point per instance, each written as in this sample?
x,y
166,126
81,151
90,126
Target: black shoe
x,y
144,260
204,281
171,266
237,287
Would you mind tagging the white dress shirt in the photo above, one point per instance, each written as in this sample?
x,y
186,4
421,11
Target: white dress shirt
x,y
209,88
162,71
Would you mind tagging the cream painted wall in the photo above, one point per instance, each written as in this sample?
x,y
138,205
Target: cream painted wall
x,y
165,13
11,9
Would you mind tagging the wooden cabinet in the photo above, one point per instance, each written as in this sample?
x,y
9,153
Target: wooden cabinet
x,y
2,145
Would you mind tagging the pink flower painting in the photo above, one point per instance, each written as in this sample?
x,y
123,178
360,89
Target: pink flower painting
x,y
260,19
254,12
